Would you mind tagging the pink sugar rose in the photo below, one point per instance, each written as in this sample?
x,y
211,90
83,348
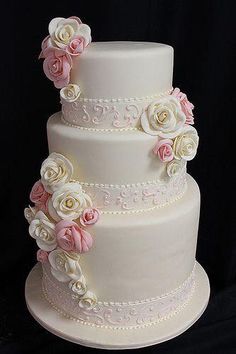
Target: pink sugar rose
x,y
46,43
42,256
39,196
71,237
187,107
164,150
89,216
57,66
76,46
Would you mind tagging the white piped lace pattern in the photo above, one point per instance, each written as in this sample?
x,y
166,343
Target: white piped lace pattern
x,y
119,315
116,114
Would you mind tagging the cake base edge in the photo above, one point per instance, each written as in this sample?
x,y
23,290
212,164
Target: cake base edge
x,y
104,338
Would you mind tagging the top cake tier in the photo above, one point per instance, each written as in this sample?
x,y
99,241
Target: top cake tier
x,y
112,83
109,70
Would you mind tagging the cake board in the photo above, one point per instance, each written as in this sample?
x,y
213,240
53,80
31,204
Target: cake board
x,y
104,338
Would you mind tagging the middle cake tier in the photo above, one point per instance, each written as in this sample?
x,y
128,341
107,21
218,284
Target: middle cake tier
x,y
117,169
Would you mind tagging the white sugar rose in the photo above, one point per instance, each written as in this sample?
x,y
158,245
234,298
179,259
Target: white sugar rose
x,y
64,265
163,118
70,93
79,286
186,143
56,170
43,231
175,167
63,30
29,213
68,202
88,300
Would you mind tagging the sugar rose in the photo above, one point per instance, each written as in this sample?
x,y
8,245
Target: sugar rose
x,y
163,118
57,66
43,231
78,286
174,167
163,149
68,202
55,171
70,93
88,301
39,196
42,256
71,237
187,107
64,265
29,213
69,34
89,216
76,46
186,143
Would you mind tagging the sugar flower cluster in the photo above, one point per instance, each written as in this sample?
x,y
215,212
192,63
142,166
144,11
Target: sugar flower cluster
x,y
58,220
68,37
170,119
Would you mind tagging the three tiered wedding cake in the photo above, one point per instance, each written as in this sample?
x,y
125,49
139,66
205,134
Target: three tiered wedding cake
x,y
115,216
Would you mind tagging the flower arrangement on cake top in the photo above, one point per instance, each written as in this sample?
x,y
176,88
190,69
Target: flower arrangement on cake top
x,y
68,37
58,221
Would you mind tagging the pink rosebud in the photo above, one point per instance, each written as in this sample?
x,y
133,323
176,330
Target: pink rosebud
x,y
42,256
39,196
89,216
76,46
71,237
164,150
187,107
57,66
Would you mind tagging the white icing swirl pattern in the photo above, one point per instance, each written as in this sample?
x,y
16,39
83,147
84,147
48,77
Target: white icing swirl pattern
x,y
115,114
125,315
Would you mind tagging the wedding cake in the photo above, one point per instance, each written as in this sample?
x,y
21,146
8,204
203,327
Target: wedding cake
x,y
114,213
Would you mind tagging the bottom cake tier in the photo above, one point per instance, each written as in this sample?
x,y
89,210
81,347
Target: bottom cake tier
x,y
141,268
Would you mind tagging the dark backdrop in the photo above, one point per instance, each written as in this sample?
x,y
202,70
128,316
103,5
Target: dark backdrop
x,y
203,36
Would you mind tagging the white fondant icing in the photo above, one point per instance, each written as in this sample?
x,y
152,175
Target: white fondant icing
x,y
123,69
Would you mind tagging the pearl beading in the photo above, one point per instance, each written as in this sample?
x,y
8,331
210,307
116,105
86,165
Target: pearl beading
x,y
107,115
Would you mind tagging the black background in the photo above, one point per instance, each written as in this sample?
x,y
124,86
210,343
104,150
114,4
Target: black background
x,y
203,36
